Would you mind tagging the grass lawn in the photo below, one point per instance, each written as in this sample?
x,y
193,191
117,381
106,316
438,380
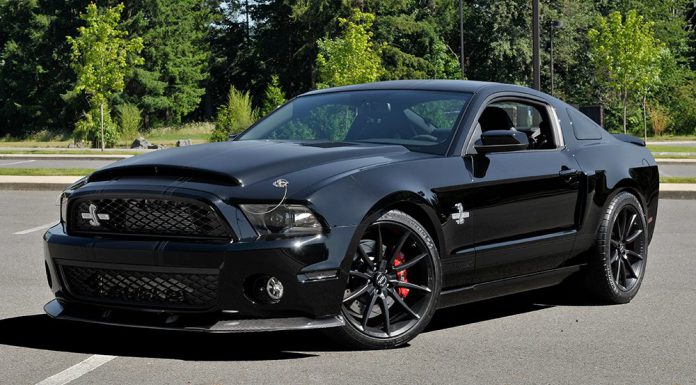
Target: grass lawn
x,y
46,171
672,148
677,179
70,152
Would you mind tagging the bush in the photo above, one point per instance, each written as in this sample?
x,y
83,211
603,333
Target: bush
x,y
659,119
273,97
89,129
234,117
129,120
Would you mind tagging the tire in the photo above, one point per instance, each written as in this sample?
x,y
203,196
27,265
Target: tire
x,y
395,275
617,265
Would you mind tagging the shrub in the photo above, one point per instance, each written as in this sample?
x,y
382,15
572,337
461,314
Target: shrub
x,y
659,119
234,117
273,97
129,119
89,129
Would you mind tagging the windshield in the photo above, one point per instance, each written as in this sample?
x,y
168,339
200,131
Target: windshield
x,y
422,121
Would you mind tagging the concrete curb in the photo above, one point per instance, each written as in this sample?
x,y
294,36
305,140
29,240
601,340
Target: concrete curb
x,y
676,161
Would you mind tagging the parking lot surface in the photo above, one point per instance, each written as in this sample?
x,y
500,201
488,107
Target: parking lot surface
x,y
533,338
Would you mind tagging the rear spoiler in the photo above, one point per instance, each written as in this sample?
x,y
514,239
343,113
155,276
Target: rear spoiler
x,y
630,139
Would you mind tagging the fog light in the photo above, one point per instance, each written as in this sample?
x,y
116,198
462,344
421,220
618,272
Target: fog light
x,y
264,289
274,288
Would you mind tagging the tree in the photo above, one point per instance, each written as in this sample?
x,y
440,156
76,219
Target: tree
x,y
274,96
102,56
171,83
352,57
625,54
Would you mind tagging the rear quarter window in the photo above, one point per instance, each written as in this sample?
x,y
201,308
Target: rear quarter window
x,y
584,128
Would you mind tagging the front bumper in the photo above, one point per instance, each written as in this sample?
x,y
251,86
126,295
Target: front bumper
x,y
306,303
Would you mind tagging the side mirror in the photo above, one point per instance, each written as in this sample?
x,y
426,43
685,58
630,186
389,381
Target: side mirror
x,y
501,141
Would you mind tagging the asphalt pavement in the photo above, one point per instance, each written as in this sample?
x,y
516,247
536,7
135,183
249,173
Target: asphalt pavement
x,y
533,338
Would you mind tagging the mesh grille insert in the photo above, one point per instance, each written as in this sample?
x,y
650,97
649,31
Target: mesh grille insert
x,y
142,288
146,216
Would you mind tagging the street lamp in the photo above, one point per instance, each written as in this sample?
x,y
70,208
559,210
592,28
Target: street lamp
x,y
461,37
536,61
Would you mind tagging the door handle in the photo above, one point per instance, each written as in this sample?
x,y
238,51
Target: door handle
x,y
568,172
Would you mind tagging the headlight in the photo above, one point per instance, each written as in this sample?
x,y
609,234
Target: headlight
x,y
285,219
64,197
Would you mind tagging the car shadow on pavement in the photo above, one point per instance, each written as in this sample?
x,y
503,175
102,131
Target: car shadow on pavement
x,y
41,332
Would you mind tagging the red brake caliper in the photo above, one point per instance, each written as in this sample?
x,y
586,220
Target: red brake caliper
x,y
401,275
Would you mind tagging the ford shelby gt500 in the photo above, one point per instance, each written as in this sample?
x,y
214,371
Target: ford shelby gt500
x,y
360,210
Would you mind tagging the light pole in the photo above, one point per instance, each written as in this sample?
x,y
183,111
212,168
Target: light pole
x,y
536,62
555,25
461,37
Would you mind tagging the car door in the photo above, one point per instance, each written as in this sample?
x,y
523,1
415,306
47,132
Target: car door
x,y
522,204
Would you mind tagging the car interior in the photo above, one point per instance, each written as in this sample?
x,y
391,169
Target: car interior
x,y
530,119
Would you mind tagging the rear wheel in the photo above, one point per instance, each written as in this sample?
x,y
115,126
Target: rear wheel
x,y
618,265
393,285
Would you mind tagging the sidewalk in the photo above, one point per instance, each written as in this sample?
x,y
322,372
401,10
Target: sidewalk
x,y
58,183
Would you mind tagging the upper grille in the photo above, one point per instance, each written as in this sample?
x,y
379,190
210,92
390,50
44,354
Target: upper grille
x,y
148,217
142,288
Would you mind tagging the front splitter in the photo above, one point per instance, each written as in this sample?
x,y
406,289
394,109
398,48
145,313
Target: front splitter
x,y
56,310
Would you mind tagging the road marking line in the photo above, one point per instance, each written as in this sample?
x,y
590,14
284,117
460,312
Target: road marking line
x,y
37,228
78,370
19,162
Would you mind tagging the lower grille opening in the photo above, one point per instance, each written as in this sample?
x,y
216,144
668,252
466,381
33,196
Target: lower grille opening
x,y
138,288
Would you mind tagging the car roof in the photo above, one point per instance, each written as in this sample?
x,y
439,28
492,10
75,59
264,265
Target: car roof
x,y
469,86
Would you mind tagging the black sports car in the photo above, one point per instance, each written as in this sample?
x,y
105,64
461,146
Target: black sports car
x,y
358,209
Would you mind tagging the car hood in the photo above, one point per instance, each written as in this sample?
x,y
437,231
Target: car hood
x,y
246,163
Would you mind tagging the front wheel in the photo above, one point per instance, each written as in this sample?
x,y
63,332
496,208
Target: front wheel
x,y
393,286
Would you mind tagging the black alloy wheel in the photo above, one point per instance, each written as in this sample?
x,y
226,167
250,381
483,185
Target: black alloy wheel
x,y
618,265
393,284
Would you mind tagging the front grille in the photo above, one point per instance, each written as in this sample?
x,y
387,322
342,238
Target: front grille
x,y
141,288
148,217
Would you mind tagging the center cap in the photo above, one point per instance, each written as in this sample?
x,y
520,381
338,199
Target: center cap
x,y
381,280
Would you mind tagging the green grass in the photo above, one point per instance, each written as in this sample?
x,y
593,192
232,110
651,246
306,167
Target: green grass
x,y
677,179
659,148
46,171
668,138
71,152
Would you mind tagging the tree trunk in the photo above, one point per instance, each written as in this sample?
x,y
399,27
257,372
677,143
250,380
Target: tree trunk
x,y
623,99
101,108
645,119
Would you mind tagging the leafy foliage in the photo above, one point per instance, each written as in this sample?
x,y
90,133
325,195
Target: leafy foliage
x,y
102,56
351,58
274,97
129,121
88,129
626,56
235,116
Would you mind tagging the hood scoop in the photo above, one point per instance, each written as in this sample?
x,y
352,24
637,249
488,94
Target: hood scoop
x,y
191,173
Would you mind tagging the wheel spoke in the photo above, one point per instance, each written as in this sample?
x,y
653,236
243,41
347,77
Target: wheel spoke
x,y
403,304
619,226
410,263
629,270
618,270
614,257
622,274
357,293
380,253
385,312
634,254
627,229
634,236
614,243
363,255
399,246
368,310
409,285
360,274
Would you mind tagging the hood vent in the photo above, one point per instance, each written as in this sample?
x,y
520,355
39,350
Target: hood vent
x,y
194,174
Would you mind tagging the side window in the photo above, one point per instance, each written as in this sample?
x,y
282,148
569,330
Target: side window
x,y
530,118
584,128
328,122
